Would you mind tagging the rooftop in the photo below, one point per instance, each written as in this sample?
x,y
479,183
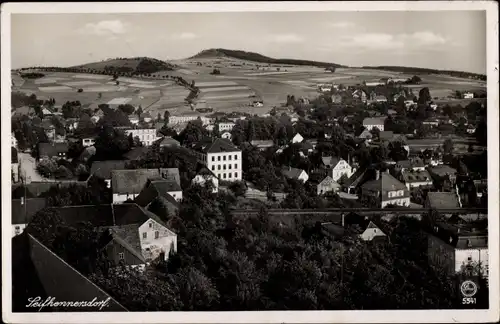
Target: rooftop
x,y
443,200
218,145
374,121
102,169
133,181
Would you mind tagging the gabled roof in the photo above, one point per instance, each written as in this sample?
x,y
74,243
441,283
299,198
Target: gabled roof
x,y
462,236
386,182
374,121
133,181
168,141
52,149
415,176
22,213
292,173
217,145
328,181
442,170
97,215
102,169
152,192
330,161
202,170
358,178
443,200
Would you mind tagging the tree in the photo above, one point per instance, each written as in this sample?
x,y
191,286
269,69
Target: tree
x,y
139,111
424,96
448,146
239,188
127,109
46,168
158,118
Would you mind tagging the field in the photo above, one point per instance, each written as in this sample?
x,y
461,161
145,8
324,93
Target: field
x,y
234,89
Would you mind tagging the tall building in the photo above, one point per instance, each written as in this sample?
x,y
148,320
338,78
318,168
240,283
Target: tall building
x,y
221,157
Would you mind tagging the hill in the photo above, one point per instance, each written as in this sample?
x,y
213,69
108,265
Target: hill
x,y
255,57
135,65
406,69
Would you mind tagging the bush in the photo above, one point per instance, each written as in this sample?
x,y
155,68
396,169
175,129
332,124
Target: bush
x,y
80,90
239,188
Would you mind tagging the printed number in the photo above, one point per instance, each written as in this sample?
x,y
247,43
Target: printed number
x,y
468,301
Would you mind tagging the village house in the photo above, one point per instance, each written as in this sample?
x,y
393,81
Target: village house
x,y
127,184
443,176
432,122
366,135
327,186
442,200
147,136
453,246
134,119
88,141
52,150
386,190
262,144
297,138
226,136
374,122
366,229
225,126
136,153
167,141
353,184
415,179
412,164
23,211
337,167
187,117
14,165
296,174
102,169
471,129
146,117
336,98
204,176
221,157
167,189
360,94
468,95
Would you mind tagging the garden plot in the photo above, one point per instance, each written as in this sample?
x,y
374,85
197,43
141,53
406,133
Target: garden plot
x,y
225,89
79,83
119,101
330,79
55,89
135,81
150,93
48,80
269,73
232,95
91,76
104,88
209,84
141,85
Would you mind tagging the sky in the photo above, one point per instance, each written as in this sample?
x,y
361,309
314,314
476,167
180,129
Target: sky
x,y
448,40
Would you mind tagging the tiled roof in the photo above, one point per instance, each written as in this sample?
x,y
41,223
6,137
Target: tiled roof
x,y
217,145
415,176
102,169
52,149
358,178
443,200
133,181
292,173
442,170
97,215
374,121
384,184
462,236
166,185
328,181
23,213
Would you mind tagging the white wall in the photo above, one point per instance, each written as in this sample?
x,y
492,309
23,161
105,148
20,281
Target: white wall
x,y
399,201
120,198
304,176
297,138
176,194
370,127
231,161
147,136
341,168
370,233
201,180
166,240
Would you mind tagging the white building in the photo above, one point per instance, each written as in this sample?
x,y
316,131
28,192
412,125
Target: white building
x,y
452,246
226,126
468,95
374,122
187,118
88,141
297,174
328,185
297,138
337,167
221,157
147,136
226,135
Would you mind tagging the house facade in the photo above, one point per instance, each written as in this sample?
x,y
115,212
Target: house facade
x,y
416,179
204,176
374,122
297,174
328,185
385,190
221,157
225,126
337,167
147,136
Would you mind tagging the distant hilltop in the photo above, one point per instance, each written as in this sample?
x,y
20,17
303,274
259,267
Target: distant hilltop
x,y
256,57
417,70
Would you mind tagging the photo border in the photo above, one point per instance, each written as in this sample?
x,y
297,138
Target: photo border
x,y
380,316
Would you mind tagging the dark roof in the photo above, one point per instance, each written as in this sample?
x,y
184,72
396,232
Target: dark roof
x,y
374,121
415,176
442,170
358,178
168,141
36,189
97,215
102,169
462,236
136,153
384,185
202,169
292,173
386,135
52,149
166,185
133,181
443,200
22,213
217,145
330,161
154,190
14,158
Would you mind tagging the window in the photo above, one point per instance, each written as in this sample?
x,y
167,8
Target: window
x,y
229,175
236,166
469,258
150,225
218,158
121,256
224,175
213,167
224,167
144,235
235,157
229,166
213,158
230,156
157,234
218,167
236,174
224,158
